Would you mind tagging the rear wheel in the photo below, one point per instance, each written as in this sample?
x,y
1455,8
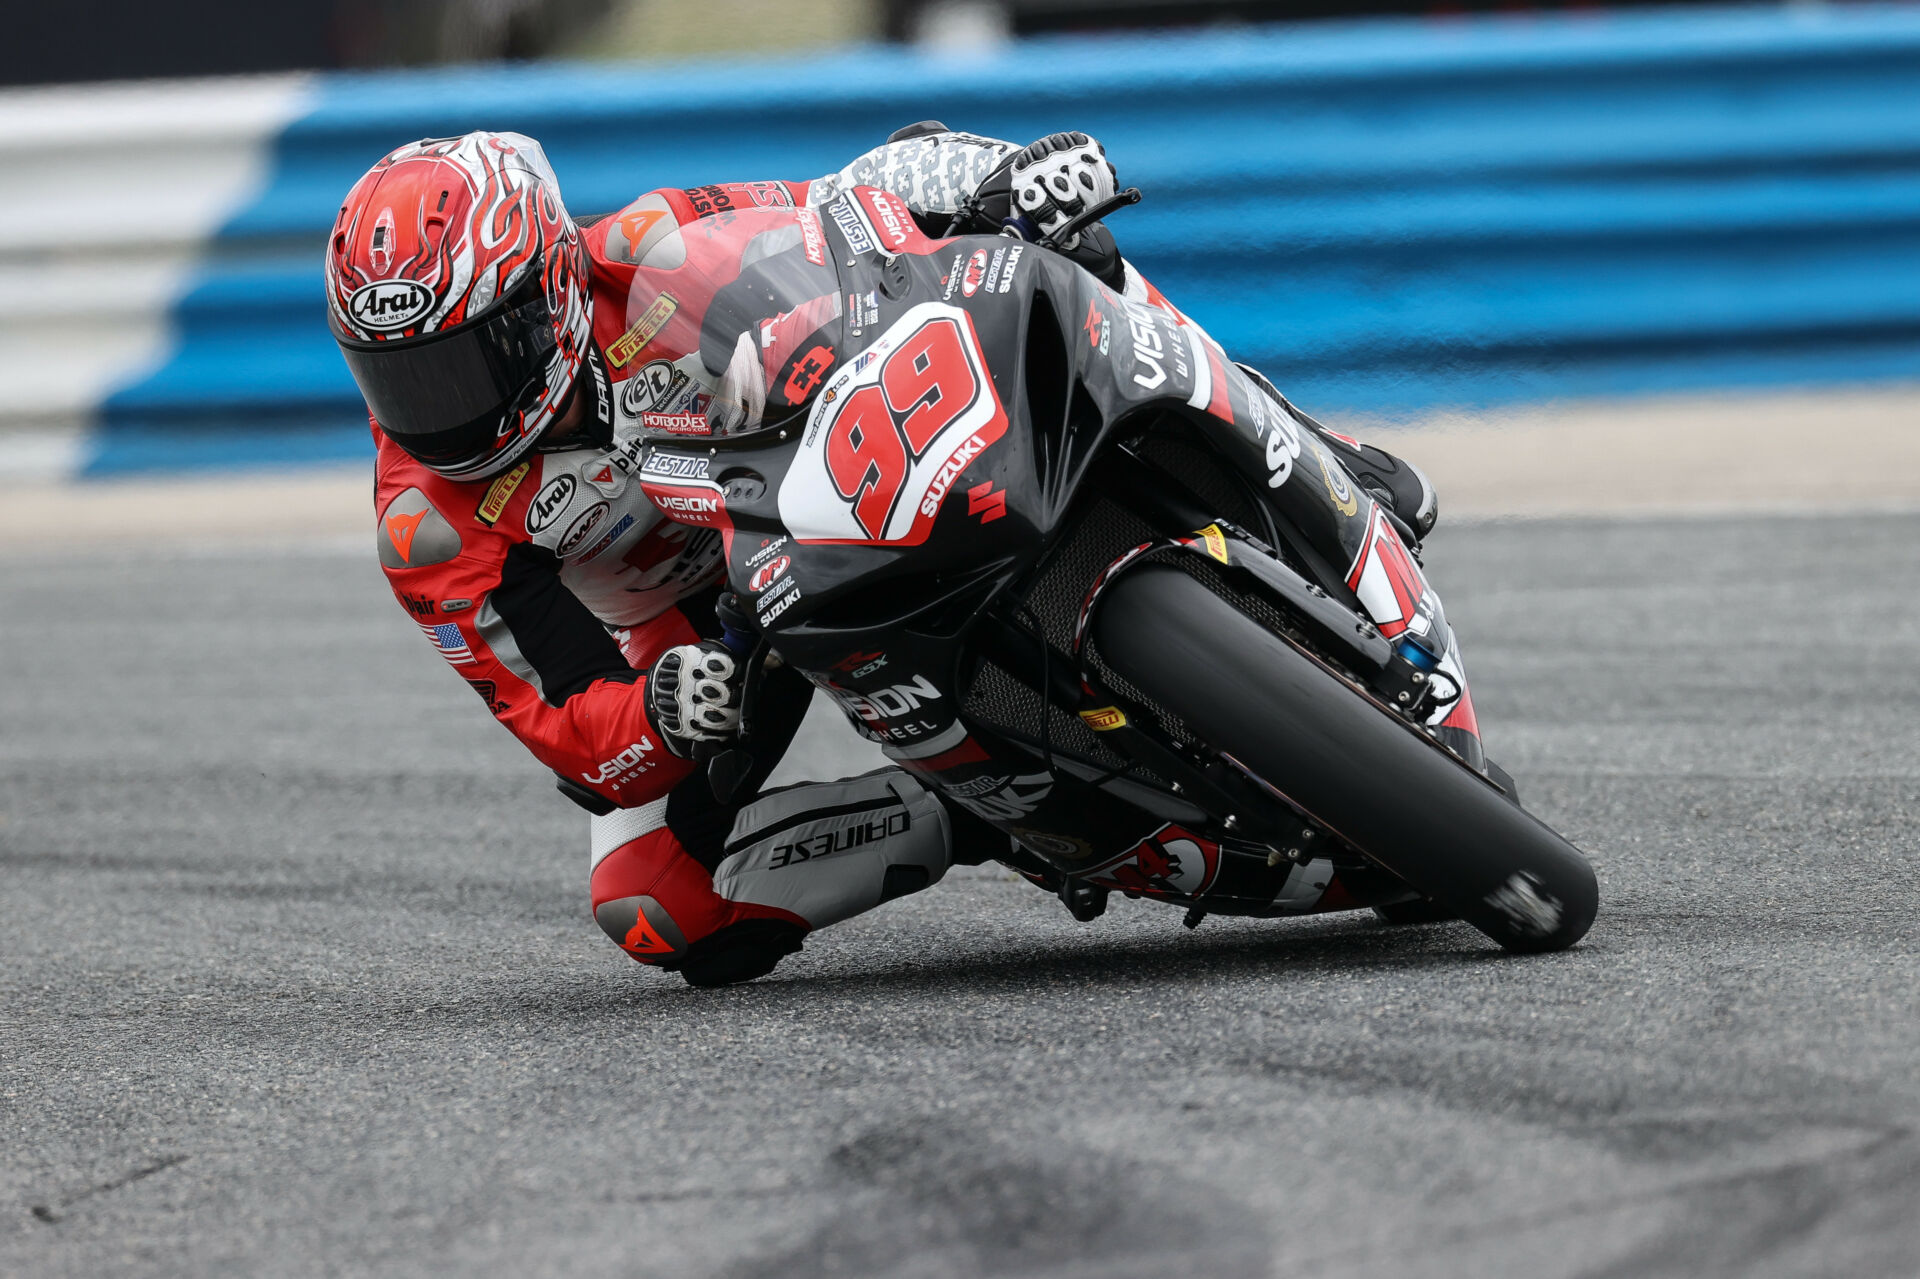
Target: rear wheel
x,y
1357,768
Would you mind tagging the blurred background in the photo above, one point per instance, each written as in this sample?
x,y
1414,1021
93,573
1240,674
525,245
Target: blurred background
x,y
1682,221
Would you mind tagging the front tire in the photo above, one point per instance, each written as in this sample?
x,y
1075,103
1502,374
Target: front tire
x,y
1357,768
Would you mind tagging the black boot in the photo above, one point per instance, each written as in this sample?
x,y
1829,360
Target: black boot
x,y
1397,484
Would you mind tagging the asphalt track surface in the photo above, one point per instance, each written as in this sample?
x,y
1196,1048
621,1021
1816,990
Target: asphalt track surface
x,y
297,976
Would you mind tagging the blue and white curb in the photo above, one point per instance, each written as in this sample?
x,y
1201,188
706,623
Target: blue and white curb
x,y
111,198
1386,216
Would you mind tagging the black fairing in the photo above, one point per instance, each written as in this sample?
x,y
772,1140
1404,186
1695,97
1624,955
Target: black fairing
x,y
935,619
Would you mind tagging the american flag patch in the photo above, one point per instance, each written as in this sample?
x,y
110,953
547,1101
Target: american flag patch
x,y
452,645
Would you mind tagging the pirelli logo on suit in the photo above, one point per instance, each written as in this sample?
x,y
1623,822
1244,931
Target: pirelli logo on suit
x,y
499,493
644,330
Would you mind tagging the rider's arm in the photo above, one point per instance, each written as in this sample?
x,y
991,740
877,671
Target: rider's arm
x,y
934,169
493,605
940,172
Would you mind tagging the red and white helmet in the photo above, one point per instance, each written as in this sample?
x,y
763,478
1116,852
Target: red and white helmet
x,y
457,290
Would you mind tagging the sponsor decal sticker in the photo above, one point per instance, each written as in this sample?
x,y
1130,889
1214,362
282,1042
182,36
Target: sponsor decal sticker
x,y
1098,328
976,272
389,305
862,832
625,766
1104,719
808,374
644,330
890,218
661,464
1337,487
856,665
1215,541
767,549
446,637
582,526
767,574
656,384
1002,798
812,242
499,493
916,410
1149,350
696,508
1169,862
987,503
550,501
676,423
1283,446
608,538
1005,283
851,225
490,694
780,605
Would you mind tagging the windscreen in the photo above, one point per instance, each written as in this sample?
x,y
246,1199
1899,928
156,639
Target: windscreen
x,y
772,329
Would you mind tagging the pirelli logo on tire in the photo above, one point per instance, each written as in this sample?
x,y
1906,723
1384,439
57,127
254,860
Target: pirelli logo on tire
x,y
499,493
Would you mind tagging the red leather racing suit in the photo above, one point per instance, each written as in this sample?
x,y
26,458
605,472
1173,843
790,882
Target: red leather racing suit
x,y
551,588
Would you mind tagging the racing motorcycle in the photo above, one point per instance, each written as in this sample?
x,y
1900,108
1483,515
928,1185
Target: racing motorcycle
x,y
1074,569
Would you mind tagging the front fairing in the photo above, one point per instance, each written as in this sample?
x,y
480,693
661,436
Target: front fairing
x,y
968,386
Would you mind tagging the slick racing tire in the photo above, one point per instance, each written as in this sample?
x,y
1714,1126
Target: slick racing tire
x,y
1355,766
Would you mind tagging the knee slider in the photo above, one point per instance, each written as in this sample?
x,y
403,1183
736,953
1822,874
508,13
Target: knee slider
x,y
738,952
642,927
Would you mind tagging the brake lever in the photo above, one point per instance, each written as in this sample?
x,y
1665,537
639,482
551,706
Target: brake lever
x,y
729,765
1067,230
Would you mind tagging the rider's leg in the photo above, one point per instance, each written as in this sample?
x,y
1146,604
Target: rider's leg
x,y
721,891
797,859
1397,484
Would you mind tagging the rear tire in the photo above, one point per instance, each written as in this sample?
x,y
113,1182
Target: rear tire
x,y
1359,769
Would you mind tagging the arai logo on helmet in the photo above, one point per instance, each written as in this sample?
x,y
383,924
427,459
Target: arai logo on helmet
x,y
387,305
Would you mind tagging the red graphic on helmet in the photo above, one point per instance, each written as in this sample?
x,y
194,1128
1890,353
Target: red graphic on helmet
x,y
456,287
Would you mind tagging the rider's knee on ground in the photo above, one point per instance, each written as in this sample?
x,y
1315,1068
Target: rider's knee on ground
x,y
798,859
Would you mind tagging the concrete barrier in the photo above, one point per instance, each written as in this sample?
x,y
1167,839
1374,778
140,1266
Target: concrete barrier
x,y
1389,216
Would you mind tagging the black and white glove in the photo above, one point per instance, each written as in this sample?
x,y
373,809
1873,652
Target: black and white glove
x,y
1060,177
693,695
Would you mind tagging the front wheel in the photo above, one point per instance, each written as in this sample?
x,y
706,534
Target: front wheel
x,y
1355,767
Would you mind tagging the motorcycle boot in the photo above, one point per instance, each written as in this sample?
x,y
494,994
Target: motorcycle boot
x,y
1401,488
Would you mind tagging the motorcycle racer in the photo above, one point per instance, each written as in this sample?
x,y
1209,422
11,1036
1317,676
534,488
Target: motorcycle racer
x,y
511,358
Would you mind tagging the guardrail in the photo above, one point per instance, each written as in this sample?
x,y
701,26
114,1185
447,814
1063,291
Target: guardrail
x,y
1385,216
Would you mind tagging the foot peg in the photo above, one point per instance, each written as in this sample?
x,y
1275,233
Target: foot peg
x,y
1085,902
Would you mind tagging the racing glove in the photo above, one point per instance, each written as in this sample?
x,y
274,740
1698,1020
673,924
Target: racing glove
x,y
1060,177
694,694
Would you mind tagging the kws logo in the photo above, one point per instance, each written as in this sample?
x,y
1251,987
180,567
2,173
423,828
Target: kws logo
x,y
389,304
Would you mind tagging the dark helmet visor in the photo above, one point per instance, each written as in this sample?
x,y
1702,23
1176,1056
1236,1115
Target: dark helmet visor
x,y
443,396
